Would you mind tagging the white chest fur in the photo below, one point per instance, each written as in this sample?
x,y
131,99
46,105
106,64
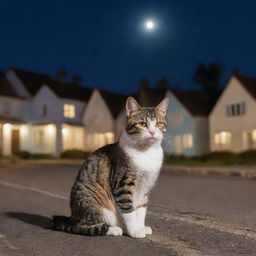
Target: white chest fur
x,y
149,160
148,164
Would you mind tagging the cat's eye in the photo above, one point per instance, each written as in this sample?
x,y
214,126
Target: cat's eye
x,y
159,124
142,124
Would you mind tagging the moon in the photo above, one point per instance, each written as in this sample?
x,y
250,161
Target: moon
x,y
149,25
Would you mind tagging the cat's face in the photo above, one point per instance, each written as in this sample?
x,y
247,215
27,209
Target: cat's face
x,y
146,125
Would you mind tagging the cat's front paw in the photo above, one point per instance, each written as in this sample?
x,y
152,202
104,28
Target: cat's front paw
x,y
148,230
139,233
114,231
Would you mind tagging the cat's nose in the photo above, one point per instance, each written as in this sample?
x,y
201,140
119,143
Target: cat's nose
x,y
152,132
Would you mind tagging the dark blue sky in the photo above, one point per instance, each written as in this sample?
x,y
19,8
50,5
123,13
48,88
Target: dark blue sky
x,y
103,40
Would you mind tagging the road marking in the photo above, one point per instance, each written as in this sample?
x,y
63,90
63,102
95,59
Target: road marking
x,y
182,248
37,190
205,221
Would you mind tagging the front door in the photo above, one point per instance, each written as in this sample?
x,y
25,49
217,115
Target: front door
x,y
15,140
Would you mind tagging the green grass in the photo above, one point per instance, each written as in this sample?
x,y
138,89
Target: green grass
x,y
220,158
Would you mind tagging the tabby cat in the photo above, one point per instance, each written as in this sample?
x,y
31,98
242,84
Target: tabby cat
x,y
110,194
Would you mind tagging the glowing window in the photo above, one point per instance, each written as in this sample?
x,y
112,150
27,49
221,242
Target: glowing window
x,y
187,141
222,138
38,137
69,110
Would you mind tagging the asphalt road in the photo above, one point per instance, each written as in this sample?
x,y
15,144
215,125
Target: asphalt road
x,y
189,215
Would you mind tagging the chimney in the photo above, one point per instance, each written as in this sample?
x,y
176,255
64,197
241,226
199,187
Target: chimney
x,y
236,72
76,80
143,84
143,92
61,76
162,84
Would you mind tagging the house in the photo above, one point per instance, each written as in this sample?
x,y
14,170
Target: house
x,y
11,107
188,126
232,120
104,118
187,118
52,111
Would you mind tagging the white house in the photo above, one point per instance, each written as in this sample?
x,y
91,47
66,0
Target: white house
x,y
188,125
232,120
11,107
104,118
52,112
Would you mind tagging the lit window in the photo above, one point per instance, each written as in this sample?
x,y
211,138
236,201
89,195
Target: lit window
x,y
6,107
187,141
249,139
69,110
109,137
222,138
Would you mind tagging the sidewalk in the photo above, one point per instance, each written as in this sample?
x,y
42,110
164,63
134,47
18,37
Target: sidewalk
x,y
248,172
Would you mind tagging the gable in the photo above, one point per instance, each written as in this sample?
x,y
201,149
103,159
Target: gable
x,y
176,106
234,92
97,116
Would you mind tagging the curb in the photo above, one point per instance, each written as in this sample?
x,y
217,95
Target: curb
x,y
247,172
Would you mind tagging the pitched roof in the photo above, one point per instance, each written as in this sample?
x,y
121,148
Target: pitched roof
x,y
34,81
5,87
196,102
249,83
115,101
150,97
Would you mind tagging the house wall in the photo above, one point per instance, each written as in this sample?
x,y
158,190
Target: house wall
x,y
180,122
120,124
100,125
16,107
34,108
202,140
219,121
97,116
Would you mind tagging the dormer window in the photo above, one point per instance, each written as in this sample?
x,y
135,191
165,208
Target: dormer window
x,y
69,110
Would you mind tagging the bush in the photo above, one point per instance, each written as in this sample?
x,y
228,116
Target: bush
x,y
74,153
221,157
22,154
41,156
248,157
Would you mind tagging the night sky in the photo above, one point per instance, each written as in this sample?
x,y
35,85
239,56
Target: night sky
x,y
104,40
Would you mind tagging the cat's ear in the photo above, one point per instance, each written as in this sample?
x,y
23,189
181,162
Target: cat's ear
x,y
132,106
162,107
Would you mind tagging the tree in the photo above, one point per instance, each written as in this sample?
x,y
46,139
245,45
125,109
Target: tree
x,y
208,77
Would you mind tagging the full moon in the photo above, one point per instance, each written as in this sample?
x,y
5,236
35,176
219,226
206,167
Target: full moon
x,y
150,25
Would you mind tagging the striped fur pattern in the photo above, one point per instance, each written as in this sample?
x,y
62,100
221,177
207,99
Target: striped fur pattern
x,y
110,194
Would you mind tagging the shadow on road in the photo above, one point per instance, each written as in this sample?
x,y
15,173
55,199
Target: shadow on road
x,y
33,219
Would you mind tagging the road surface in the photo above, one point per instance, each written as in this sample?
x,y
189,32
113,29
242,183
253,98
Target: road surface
x,y
189,215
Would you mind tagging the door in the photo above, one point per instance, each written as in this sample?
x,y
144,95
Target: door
x,y
15,140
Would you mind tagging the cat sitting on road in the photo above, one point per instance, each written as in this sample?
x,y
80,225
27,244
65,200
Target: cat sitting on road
x,y
110,194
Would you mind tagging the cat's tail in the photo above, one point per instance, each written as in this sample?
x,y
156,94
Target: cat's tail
x,y
62,223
